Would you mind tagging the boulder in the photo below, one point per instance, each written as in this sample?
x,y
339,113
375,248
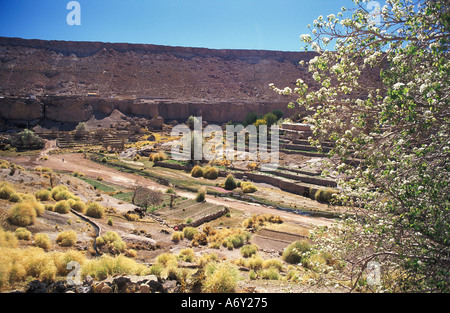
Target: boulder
x,y
156,123
37,286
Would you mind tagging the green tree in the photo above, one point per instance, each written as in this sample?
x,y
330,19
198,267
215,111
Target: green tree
x,y
27,140
80,130
279,114
270,119
250,119
383,99
191,122
230,182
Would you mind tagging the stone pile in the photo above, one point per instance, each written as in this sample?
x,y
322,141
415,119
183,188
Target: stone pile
x,y
116,284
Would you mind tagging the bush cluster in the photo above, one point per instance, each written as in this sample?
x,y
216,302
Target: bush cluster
x,y
95,210
42,241
62,207
157,157
201,195
230,182
112,241
248,187
296,252
257,221
66,238
208,172
220,278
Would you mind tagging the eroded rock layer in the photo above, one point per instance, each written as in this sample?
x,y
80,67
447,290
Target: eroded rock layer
x,y
74,81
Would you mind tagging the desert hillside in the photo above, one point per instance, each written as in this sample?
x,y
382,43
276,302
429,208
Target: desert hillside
x,y
42,80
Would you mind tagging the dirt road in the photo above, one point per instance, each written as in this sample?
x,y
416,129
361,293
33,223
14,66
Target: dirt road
x,y
75,162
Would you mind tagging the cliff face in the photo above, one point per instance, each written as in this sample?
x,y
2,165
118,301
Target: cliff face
x,y
73,81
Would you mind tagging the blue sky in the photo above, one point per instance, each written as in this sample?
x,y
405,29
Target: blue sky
x,y
216,24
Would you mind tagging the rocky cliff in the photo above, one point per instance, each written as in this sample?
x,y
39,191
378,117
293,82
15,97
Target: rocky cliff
x,y
74,81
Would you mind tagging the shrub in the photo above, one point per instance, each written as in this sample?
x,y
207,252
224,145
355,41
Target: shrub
x,y
22,233
62,259
278,113
43,169
167,260
275,263
170,191
26,197
113,241
57,189
62,207
270,273
230,182
106,265
270,119
249,250
260,122
4,164
248,187
156,269
255,262
7,240
324,195
157,157
110,222
200,239
66,238
206,258
63,195
95,210
293,254
220,278
27,140
210,173
177,236
191,121
104,160
79,206
49,207
257,221
42,241
235,240
15,197
132,217
250,118
189,232
43,195
6,191
201,195
38,207
19,265
22,214
197,171
187,255
131,253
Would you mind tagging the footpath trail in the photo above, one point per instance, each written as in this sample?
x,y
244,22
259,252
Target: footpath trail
x,y
75,162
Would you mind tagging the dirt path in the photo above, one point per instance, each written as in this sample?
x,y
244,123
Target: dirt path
x,y
75,162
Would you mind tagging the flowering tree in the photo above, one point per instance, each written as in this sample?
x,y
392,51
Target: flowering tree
x,y
383,99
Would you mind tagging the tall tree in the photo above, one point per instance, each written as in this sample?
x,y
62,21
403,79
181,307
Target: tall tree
x,y
396,125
